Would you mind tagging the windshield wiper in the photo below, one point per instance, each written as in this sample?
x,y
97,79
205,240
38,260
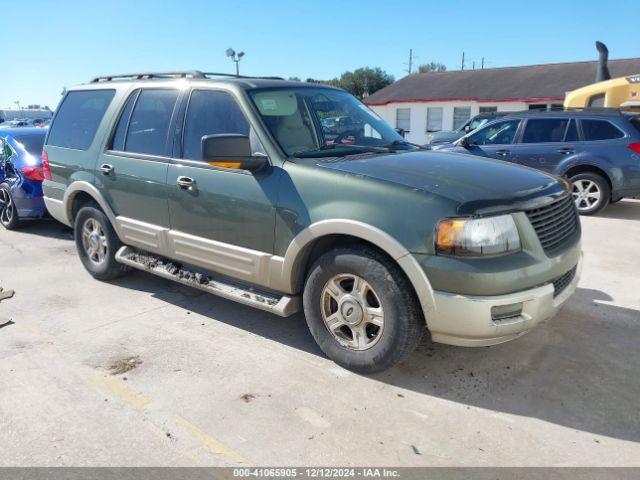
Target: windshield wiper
x,y
404,142
333,146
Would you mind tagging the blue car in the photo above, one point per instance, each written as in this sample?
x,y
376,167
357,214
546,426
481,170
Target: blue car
x,y
597,150
21,175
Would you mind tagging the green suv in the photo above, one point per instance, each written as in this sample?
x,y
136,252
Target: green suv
x,y
241,187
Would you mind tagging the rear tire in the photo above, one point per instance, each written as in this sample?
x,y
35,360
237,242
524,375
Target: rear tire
x,y
97,243
8,211
591,192
361,309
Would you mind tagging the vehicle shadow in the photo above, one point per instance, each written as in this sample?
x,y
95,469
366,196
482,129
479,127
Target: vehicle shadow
x,y
579,370
46,227
626,209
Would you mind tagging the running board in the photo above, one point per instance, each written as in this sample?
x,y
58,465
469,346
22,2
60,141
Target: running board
x,y
165,268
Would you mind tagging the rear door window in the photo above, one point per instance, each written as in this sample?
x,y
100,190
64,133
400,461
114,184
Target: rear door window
x,y
544,130
572,132
123,122
149,123
600,130
78,118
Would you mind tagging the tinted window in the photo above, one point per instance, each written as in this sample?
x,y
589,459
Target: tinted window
x,y
600,130
635,121
78,118
31,143
499,133
121,129
544,130
572,132
149,122
210,113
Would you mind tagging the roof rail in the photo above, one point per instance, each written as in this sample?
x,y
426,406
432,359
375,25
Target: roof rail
x,y
149,75
215,74
172,74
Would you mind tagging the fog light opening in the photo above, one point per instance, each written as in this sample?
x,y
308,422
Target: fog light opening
x,y
502,312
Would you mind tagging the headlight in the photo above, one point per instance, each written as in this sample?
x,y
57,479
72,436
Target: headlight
x,y
477,237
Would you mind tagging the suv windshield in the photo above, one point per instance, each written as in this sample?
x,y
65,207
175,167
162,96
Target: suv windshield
x,y
316,122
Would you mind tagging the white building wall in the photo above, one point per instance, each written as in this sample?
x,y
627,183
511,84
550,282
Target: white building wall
x,y
417,134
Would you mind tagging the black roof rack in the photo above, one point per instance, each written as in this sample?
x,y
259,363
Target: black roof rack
x,y
149,75
172,74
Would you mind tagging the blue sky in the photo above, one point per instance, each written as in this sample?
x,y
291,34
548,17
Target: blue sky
x,y
51,44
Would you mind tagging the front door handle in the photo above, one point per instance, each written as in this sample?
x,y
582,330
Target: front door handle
x,y
185,182
106,169
503,153
566,151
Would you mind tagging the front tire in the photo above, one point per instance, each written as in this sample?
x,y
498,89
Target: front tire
x,y
97,243
591,192
361,309
8,210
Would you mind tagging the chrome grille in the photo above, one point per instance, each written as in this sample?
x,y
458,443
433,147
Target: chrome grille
x,y
555,222
560,283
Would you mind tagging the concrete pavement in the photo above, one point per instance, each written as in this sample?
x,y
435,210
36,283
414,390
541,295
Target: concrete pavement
x,y
216,383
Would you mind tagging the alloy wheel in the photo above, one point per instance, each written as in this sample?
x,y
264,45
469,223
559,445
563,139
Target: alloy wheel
x,y
586,194
352,311
94,240
7,207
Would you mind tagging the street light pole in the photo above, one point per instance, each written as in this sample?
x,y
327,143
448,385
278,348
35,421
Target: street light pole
x,y
235,57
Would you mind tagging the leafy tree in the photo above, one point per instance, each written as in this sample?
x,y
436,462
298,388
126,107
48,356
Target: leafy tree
x,y
432,67
361,82
294,79
365,81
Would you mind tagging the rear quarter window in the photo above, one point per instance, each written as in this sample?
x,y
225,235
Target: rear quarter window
x,y
78,118
635,121
600,130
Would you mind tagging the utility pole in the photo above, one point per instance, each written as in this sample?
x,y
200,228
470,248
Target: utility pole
x,y
410,64
482,64
462,61
474,65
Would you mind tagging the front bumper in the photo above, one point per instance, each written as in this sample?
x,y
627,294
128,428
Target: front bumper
x,y
467,321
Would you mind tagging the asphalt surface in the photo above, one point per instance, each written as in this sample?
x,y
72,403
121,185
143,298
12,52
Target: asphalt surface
x,y
211,382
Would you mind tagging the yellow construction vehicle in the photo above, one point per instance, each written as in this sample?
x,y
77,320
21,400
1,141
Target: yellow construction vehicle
x,y
622,92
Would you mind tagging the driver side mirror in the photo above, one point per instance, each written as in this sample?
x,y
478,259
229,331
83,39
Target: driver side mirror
x,y
464,142
231,151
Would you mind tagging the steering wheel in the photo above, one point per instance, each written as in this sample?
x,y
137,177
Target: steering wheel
x,y
343,135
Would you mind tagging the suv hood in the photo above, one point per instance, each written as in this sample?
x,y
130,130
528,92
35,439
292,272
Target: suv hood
x,y
476,183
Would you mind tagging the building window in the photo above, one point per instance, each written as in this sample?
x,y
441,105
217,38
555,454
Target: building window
x,y
403,119
537,106
488,109
460,116
434,119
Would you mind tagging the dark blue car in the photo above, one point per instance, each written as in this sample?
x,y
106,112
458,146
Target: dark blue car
x,y
21,175
597,150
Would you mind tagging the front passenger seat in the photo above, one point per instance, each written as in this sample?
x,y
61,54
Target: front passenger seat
x,y
294,134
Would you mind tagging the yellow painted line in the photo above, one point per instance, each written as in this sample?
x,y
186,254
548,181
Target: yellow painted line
x,y
119,388
209,442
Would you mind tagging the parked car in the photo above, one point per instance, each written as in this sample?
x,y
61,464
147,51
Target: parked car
x,y
449,136
21,175
228,185
598,150
15,124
